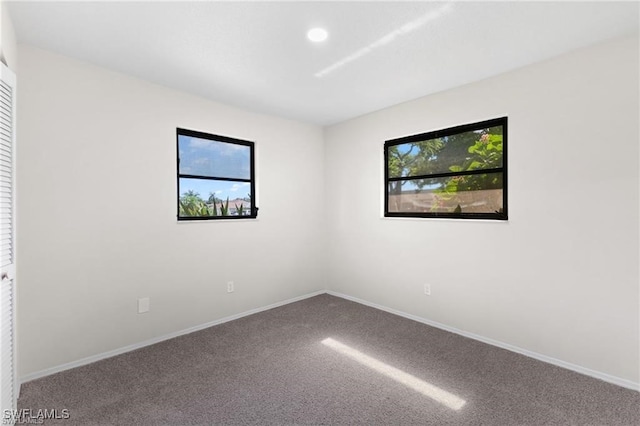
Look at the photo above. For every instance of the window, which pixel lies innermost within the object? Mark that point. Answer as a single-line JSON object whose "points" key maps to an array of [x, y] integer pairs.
{"points": [[216, 178], [460, 172]]}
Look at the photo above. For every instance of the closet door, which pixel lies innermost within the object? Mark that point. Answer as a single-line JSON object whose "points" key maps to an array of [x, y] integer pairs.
{"points": [[7, 239]]}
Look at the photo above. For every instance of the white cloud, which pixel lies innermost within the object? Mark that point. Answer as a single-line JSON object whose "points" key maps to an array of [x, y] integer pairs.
{"points": [[237, 186]]}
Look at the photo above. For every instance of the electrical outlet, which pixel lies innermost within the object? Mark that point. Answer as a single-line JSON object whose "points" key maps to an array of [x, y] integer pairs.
{"points": [[144, 305], [230, 287], [427, 289]]}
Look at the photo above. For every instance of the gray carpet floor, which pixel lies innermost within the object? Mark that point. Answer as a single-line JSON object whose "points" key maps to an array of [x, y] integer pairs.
{"points": [[327, 361]]}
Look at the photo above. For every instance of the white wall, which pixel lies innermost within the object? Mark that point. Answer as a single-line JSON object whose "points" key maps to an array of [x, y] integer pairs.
{"points": [[8, 47], [97, 222], [560, 278], [97, 228]]}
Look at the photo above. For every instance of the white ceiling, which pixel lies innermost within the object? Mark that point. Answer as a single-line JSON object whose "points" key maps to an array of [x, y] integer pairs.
{"points": [[255, 55]]}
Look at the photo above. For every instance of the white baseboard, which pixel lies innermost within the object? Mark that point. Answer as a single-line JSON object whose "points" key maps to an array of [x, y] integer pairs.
{"points": [[133, 347], [569, 366]]}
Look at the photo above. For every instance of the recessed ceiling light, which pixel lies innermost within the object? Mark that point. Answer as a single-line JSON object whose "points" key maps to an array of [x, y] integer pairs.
{"points": [[317, 35]]}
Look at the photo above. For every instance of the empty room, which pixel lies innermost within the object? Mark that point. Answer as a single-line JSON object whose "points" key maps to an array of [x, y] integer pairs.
{"points": [[287, 213]]}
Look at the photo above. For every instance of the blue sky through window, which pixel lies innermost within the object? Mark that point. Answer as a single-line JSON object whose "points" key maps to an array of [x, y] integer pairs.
{"points": [[204, 157]]}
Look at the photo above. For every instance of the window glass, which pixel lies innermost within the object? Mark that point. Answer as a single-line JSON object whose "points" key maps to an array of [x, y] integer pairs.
{"points": [[212, 158], [458, 172], [215, 177]]}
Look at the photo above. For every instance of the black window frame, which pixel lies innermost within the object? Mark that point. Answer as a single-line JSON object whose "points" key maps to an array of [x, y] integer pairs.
{"points": [[498, 215], [223, 139]]}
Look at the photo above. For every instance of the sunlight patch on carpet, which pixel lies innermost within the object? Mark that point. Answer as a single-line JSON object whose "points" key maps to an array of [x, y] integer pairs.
{"points": [[427, 389]]}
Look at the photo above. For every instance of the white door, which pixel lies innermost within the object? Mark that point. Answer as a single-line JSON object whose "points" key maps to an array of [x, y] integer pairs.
{"points": [[7, 239]]}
